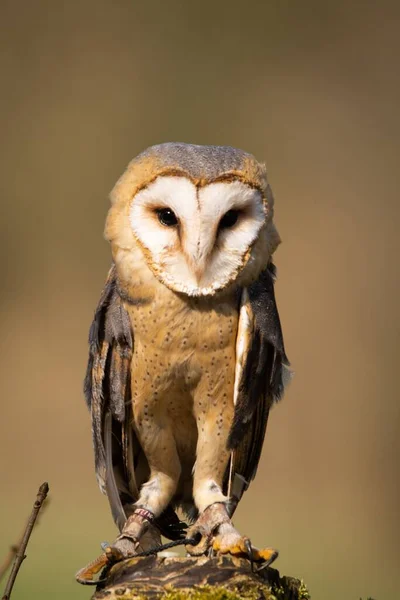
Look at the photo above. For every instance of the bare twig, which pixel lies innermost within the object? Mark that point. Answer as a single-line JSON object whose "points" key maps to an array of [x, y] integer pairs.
{"points": [[7, 562], [20, 552]]}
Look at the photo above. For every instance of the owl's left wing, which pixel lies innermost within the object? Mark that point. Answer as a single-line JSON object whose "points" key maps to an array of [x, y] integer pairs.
{"points": [[108, 395], [262, 369], [107, 392]]}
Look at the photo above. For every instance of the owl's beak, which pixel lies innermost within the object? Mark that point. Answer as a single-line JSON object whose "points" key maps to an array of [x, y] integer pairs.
{"points": [[197, 264], [198, 269], [197, 260], [198, 250]]}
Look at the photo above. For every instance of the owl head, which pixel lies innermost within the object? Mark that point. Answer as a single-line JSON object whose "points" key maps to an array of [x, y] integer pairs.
{"points": [[201, 216]]}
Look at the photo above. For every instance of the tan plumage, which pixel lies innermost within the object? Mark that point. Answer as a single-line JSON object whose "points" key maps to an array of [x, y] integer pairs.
{"points": [[187, 354]]}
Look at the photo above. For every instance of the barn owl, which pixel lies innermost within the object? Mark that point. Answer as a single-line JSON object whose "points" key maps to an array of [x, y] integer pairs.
{"points": [[186, 348]]}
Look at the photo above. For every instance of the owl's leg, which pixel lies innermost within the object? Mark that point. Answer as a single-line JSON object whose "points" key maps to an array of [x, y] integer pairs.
{"points": [[156, 438], [212, 458], [214, 524], [213, 416]]}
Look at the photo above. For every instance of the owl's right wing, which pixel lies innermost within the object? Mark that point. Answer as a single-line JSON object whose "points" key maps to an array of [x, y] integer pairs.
{"points": [[108, 396], [262, 369]]}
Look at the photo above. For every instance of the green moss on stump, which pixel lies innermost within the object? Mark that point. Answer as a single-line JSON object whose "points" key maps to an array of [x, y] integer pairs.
{"points": [[208, 592]]}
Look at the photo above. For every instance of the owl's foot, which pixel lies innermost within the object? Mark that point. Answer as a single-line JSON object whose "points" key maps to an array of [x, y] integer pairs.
{"points": [[218, 535], [207, 523], [229, 541], [94, 572], [138, 535]]}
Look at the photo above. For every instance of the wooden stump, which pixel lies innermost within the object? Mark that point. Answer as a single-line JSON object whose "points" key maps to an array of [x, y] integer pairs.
{"points": [[222, 578]]}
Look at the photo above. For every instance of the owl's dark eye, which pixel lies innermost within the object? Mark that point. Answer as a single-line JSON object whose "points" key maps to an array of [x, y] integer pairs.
{"points": [[229, 219], [167, 217]]}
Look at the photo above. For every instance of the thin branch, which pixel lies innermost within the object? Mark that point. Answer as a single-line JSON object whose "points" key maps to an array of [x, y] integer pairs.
{"points": [[9, 558], [20, 553], [7, 562]]}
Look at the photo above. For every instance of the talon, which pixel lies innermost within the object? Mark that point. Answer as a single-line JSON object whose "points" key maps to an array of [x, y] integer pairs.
{"points": [[266, 557], [249, 549]]}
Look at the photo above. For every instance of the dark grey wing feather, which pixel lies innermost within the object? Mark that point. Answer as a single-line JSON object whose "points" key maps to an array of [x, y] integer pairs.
{"points": [[113, 492], [108, 396], [107, 387], [262, 380]]}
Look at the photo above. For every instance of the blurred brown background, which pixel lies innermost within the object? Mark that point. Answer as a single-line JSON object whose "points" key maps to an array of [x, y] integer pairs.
{"points": [[313, 89]]}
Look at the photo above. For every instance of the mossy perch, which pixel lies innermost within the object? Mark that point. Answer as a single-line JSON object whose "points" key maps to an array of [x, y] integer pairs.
{"points": [[223, 578]]}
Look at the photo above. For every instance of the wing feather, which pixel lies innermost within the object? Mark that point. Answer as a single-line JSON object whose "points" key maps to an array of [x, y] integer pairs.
{"points": [[259, 378], [108, 396]]}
